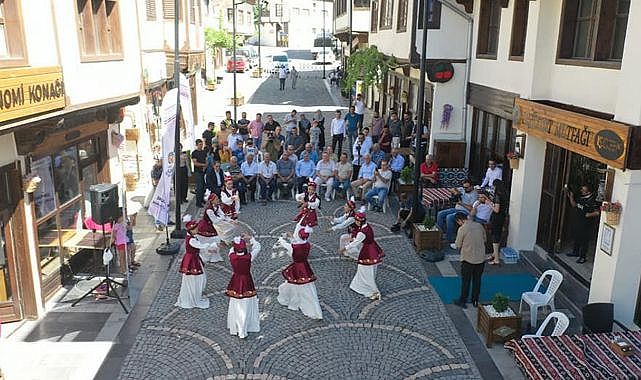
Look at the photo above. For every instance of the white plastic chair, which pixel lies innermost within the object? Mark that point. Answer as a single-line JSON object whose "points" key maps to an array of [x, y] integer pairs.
{"points": [[321, 192], [535, 299], [562, 323], [385, 204]]}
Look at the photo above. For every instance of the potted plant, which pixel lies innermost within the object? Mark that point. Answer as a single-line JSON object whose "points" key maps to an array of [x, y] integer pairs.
{"points": [[513, 157], [407, 176], [500, 302], [496, 320], [426, 234], [211, 84], [612, 212]]}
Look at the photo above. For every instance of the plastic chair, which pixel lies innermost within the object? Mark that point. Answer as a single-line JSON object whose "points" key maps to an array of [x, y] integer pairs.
{"points": [[386, 203], [562, 323], [321, 192], [598, 318], [535, 299]]}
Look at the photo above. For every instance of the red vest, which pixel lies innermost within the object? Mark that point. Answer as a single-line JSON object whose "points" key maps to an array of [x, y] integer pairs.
{"points": [[299, 272], [229, 210], [191, 263], [370, 253], [241, 284]]}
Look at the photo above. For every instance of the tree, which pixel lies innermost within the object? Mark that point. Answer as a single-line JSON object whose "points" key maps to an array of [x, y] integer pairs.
{"points": [[257, 12], [367, 65]]}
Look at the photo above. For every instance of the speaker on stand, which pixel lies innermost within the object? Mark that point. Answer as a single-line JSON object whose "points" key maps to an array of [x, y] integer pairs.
{"points": [[104, 209]]}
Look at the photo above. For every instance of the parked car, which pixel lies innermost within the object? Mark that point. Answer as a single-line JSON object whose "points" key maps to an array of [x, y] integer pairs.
{"points": [[326, 58], [278, 61], [240, 65], [250, 54]]}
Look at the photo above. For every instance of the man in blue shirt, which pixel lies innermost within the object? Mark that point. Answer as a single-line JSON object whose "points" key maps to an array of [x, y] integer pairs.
{"points": [[351, 127], [313, 155], [396, 163], [249, 169], [238, 151], [464, 197], [377, 155], [305, 170], [365, 177]]}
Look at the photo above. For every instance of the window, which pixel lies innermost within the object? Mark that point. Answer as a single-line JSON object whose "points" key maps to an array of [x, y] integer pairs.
{"points": [[593, 30], [387, 10], [401, 22], [374, 16], [241, 17], [279, 10], [150, 8], [99, 30], [519, 28], [230, 15], [296, 11], [12, 46], [361, 3], [433, 16], [491, 137], [305, 12], [192, 11], [168, 10], [65, 175], [340, 7], [489, 25]]}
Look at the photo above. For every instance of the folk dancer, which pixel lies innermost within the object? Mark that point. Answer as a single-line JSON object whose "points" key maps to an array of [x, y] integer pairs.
{"points": [[309, 202], [207, 234], [298, 292], [194, 278], [230, 201], [242, 314], [345, 221], [224, 225], [370, 255]]}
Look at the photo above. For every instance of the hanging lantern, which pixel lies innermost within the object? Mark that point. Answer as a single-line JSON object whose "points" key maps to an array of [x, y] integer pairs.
{"points": [[440, 72]]}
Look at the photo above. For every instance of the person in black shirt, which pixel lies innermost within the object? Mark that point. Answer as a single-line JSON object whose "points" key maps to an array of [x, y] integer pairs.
{"points": [[208, 135], [499, 212], [586, 212], [215, 179], [199, 160], [243, 126]]}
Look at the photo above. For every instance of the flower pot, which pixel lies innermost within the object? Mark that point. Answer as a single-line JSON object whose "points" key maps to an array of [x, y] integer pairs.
{"points": [[514, 163], [612, 218], [426, 239]]}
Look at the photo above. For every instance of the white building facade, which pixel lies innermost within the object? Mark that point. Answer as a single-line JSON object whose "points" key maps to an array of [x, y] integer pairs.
{"points": [[559, 84]]}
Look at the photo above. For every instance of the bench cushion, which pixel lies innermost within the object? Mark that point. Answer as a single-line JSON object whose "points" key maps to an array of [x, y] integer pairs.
{"points": [[451, 177]]}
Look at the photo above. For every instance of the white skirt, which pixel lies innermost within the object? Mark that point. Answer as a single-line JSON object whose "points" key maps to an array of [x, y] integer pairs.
{"points": [[210, 255], [191, 292], [364, 281], [243, 316], [300, 297], [227, 231], [354, 252]]}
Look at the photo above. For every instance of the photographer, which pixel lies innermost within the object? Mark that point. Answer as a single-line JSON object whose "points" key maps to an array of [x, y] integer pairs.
{"points": [[272, 146], [463, 198]]}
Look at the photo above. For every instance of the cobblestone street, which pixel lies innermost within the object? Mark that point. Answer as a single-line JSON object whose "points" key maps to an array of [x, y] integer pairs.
{"points": [[406, 335]]}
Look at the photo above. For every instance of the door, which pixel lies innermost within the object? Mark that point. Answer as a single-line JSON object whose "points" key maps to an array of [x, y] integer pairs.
{"points": [[553, 200]]}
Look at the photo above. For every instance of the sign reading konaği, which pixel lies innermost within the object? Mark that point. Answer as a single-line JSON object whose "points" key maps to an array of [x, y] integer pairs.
{"points": [[25, 92], [602, 140]]}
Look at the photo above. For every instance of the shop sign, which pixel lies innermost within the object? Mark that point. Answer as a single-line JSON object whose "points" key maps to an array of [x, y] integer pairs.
{"points": [[25, 92], [601, 140]]}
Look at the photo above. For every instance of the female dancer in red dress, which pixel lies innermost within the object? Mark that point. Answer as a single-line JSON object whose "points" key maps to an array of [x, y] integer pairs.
{"points": [[242, 314], [298, 291], [194, 278], [345, 221], [309, 202], [230, 202], [207, 233], [370, 255]]}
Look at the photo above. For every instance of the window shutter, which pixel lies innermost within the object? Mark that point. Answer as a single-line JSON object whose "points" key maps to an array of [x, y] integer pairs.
{"points": [[192, 11], [168, 10], [150, 8]]}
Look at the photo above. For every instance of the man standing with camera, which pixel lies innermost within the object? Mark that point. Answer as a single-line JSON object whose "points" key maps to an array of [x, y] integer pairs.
{"points": [[463, 198]]}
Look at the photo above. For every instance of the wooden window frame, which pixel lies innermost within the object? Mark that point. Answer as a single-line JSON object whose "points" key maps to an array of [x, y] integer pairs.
{"points": [[374, 16], [518, 36], [365, 4], [601, 38], [169, 12], [402, 16], [16, 46], [108, 44], [485, 27], [151, 10], [278, 10], [386, 5]]}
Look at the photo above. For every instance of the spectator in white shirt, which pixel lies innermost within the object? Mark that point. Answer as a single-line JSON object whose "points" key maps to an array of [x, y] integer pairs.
{"points": [[267, 178], [359, 105], [233, 137], [493, 172], [481, 209], [249, 168], [325, 172], [365, 177], [282, 76], [359, 150], [338, 132], [382, 179]]}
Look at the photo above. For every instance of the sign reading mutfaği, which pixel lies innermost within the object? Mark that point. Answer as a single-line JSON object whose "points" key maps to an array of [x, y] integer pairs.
{"points": [[602, 140], [25, 92]]}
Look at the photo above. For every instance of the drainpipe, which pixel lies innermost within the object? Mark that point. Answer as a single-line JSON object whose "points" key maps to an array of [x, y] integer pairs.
{"points": [[468, 59]]}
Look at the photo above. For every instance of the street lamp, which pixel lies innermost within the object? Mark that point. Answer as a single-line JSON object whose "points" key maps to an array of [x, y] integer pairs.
{"points": [[421, 109], [324, 54], [260, 22]]}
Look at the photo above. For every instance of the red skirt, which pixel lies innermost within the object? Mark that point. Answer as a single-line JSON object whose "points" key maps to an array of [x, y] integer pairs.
{"points": [[299, 273], [241, 286], [370, 254], [191, 265], [307, 217], [206, 229]]}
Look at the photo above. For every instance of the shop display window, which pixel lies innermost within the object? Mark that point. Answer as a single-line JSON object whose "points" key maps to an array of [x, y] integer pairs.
{"points": [[66, 176], [49, 247]]}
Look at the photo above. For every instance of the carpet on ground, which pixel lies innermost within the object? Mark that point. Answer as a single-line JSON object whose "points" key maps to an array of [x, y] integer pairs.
{"points": [[512, 285]]}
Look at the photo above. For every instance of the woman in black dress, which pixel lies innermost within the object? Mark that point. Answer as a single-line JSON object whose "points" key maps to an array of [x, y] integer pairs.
{"points": [[499, 212], [318, 116]]}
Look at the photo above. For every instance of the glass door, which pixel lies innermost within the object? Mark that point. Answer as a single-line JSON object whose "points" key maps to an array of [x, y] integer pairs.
{"points": [[10, 298]]}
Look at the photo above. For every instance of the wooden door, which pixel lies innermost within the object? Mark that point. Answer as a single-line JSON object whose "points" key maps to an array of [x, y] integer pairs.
{"points": [[553, 200]]}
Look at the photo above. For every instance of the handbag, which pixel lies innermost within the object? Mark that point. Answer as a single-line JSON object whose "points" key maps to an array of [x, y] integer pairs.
{"points": [[107, 256]]}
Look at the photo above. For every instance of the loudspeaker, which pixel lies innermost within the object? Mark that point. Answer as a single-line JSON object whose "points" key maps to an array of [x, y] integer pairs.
{"points": [[104, 202]]}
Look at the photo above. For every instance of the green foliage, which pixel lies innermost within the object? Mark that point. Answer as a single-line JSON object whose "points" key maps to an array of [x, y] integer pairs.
{"points": [[500, 302], [407, 175], [257, 6], [216, 39], [369, 65], [429, 222]]}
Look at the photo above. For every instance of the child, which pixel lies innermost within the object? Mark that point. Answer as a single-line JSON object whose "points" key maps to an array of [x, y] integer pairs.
{"points": [[250, 148], [120, 240], [314, 135]]}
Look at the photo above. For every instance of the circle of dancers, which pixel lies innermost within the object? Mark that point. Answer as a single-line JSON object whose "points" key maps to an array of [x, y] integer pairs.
{"points": [[218, 231]]}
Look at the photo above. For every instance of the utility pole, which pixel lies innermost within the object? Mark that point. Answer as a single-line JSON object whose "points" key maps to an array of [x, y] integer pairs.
{"points": [[324, 53], [177, 233], [260, 22], [421, 111], [234, 57]]}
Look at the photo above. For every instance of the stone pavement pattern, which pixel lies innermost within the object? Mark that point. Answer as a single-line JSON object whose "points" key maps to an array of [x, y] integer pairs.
{"points": [[406, 335]]}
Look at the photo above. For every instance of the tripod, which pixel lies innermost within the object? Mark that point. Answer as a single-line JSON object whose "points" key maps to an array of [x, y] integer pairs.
{"points": [[108, 281]]}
